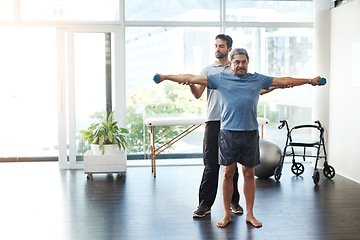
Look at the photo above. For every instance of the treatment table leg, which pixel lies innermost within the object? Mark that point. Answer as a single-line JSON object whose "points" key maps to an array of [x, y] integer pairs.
{"points": [[153, 156]]}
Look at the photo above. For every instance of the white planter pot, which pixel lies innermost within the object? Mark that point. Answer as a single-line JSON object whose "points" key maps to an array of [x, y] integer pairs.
{"points": [[109, 149], [115, 163]]}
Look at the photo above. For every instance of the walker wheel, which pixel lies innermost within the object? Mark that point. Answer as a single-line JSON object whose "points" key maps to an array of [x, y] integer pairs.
{"points": [[297, 169], [89, 176], [277, 173], [316, 176], [329, 172]]}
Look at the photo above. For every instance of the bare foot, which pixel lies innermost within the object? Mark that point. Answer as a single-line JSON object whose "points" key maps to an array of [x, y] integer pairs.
{"points": [[253, 221], [224, 222]]}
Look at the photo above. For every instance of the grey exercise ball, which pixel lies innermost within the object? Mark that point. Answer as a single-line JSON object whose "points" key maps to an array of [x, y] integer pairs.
{"points": [[270, 157]]}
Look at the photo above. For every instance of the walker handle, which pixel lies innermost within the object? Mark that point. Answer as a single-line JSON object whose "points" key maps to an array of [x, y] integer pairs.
{"points": [[318, 123], [282, 124]]}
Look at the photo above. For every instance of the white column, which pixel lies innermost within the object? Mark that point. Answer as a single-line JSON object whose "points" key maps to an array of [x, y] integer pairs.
{"points": [[320, 110]]}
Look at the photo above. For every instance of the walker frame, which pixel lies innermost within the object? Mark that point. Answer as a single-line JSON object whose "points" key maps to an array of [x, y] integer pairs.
{"points": [[298, 168]]}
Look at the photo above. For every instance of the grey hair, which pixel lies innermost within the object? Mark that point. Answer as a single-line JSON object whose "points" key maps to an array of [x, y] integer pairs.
{"points": [[238, 51]]}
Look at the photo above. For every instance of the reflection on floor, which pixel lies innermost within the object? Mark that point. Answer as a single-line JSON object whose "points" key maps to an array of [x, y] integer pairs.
{"points": [[38, 201]]}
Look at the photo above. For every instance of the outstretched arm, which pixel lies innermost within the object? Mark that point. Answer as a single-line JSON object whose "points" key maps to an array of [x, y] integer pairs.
{"points": [[186, 78], [288, 81]]}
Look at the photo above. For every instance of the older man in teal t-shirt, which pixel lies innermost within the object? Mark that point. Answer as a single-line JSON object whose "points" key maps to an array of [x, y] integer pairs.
{"points": [[238, 141]]}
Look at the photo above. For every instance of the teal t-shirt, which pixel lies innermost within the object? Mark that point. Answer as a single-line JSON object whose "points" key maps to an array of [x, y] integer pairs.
{"points": [[239, 98]]}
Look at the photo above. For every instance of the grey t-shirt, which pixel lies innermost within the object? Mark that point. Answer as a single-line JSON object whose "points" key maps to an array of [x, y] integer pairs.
{"points": [[213, 99]]}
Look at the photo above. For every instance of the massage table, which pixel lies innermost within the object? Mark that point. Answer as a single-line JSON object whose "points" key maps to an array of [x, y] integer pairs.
{"points": [[193, 122]]}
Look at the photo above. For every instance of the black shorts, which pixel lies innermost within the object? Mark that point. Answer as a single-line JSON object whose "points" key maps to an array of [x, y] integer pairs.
{"points": [[239, 146]]}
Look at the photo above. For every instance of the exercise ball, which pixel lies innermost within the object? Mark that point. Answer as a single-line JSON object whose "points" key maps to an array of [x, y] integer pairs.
{"points": [[270, 157]]}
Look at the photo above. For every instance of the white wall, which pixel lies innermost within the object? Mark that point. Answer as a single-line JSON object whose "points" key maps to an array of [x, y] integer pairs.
{"points": [[344, 100], [320, 108]]}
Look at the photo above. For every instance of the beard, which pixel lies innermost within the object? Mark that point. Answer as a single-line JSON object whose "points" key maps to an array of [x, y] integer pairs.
{"points": [[220, 55]]}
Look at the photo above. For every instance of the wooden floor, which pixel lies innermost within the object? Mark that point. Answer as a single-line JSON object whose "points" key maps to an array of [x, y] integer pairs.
{"points": [[38, 201]]}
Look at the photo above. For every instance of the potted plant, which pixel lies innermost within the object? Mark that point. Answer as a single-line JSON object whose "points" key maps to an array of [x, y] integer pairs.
{"points": [[108, 144], [105, 135]]}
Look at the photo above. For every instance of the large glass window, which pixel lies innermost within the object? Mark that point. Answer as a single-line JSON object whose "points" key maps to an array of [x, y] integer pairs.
{"points": [[164, 50], [28, 92], [70, 10], [172, 10], [6, 9], [90, 99], [269, 11], [280, 52], [273, 51], [181, 41]]}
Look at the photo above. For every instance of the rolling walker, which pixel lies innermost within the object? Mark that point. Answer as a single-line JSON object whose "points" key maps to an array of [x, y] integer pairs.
{"points": [[298, 168]]}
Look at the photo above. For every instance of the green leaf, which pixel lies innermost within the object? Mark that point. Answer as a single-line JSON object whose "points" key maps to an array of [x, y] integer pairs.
{"points": [[101, 144], [110, 136], [110, 116], [86, 135], [124, 130]]}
